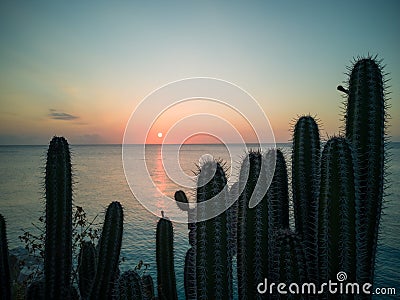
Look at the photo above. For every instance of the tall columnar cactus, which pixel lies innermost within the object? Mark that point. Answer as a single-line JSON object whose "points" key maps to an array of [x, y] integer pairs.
{"points": [[305, 187], [109, 248], [289, 261], [253, 229], [213, 256], [190, 259], [278, 192], [183, 203], [58, 245], [5, 281], [86, 268], [365, 130], [148, 287], [128, 287], [337, 216], [190, 274], [165, 260], [257, 225]]}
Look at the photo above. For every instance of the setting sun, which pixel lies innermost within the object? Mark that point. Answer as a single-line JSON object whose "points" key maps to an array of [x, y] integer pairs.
{"points": [[159, 134]]}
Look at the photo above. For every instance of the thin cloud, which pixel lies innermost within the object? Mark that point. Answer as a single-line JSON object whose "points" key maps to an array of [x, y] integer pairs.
{"points": [[57, 115]]}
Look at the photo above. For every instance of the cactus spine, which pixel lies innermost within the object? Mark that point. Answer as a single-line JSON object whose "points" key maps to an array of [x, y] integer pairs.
{"points": [[365, 130], [58, 246], [190, 275], [165, 260], [5, 281], [129, 287], [213, 256], [109, 248], [86, 268], [305, 187], [337, 231]]}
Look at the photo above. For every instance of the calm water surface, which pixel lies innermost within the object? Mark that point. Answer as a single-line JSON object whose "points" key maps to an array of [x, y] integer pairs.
{"points": [[99, 179]]}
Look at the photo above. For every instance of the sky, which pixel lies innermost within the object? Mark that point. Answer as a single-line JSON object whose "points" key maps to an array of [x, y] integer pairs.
{"points": [[80, 68]]}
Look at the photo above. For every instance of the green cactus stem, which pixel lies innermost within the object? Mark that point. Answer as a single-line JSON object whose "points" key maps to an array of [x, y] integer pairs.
{"points": [[278, 192], [58, 244], [252, 230], [129, 287], [289, 261], [365, 130], [5, 281], [305, 187], [337, 215], [148, 287], [190, 275], [109, 248], [86, 268], [165, 260], [213, 256]]}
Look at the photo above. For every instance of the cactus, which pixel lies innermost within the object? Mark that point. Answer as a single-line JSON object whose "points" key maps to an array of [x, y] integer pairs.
{"points": [[278, 192], [289, 260], [86, 268], [256, 226], [233, 215], [58, 245], [183, 204], [305, 187], [109, 248], [365, 130], [5, 281], [165, 260], [252, 230], [337, 224], [129, 287], [148, 287], [190, 275], [213, 256]]}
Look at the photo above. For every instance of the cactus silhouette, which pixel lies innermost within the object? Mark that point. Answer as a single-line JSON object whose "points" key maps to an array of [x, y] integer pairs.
{"points": [[278, 192], [305, 187], [213, 256], [337, 217], [252, 230], [109, 248], [365, 130], [86, 268], [58, 245], [257, 225], [190, 275], [165, 260], [129, 287], [5, 281], [289, 261], [148, 287]]}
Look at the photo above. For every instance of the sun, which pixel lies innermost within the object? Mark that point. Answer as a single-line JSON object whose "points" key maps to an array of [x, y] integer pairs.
{"points": [[159, 134]]}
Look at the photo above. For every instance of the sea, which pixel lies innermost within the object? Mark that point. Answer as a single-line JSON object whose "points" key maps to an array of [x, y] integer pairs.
{"points": [[99, 178]]}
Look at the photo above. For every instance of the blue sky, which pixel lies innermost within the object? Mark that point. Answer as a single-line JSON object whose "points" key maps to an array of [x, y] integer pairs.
{"points": [[79, 69]]}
